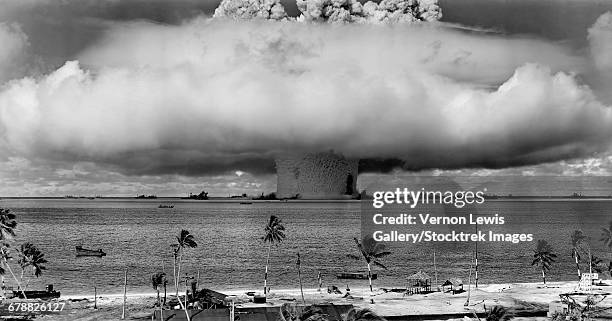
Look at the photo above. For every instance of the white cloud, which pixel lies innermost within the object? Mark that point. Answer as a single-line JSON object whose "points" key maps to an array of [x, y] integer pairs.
{"points": [[13, 45], [213, 93]]}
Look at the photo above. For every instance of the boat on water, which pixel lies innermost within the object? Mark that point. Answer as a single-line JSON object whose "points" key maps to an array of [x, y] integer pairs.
{"points": [[356, 276], [80, 251], [165, 206], [246, 203], [48, 293]]}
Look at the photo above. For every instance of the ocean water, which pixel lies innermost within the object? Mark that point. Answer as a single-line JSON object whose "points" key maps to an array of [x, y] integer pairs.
{"points": [[136, 235]]}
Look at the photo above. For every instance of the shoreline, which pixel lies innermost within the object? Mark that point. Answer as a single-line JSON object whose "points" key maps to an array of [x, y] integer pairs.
{"points": [[529, 300], [488, 287]]}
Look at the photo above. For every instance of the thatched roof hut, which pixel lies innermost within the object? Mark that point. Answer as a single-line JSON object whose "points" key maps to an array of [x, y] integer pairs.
{"points": [[419, 282], [453, 284], [419, 279]]}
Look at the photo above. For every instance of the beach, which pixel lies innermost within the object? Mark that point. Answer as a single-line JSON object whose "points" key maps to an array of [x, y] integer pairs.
{"points": [[519, 298]]}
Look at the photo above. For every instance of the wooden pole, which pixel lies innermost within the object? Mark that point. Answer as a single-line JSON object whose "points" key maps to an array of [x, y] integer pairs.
{"points": [[198, 280], [467, 303], [300, 277], [95, 297], [476, 261], [124, 294], [435, 269]]}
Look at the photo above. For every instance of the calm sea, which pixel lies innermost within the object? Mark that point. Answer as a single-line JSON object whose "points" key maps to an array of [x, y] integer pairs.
{"points": [[136, 235]]}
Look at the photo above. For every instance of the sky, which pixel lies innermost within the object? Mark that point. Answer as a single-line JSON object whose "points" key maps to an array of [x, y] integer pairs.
{"points": [[126, 97]]}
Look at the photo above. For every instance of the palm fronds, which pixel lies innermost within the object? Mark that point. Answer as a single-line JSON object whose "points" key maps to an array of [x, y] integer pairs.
{"points": [[7, 224]]}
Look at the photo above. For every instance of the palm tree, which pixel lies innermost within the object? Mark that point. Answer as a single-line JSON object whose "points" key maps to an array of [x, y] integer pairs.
{"points": [[598, 265], [175, 252], [498, 313], [577, 239], [185, 240], [544, 257], [157, 280], [371, 251], [275, 234], [8, 223], [31, 257]]}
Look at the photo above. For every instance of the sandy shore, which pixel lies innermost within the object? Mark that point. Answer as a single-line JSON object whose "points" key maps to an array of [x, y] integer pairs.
{"points": [[515, 296]]}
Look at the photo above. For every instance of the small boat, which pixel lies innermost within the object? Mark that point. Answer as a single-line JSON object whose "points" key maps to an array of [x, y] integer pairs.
{"points": [[357, 276], [80, 251], [246, 203], [165, 206], [47, 294]]}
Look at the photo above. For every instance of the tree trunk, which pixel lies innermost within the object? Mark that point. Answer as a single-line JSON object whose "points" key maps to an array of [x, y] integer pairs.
{"points": [[8, 267], [300, 279], [543, 276], [161, 308], [370, 277], [165, 293], [577, 266], [178, 270], [266, 274], [21, 278], [174, 275]]}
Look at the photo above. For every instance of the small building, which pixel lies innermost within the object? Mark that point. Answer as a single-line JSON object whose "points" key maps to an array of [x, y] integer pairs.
{"points": [[455, 285], [419, 282]]}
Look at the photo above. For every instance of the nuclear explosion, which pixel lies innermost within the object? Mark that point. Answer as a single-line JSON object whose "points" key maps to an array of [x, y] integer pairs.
{"points": [[316, 176]]}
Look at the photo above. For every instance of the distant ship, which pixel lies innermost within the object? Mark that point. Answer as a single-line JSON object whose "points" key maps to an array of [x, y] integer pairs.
{"points": [[80, 251]]}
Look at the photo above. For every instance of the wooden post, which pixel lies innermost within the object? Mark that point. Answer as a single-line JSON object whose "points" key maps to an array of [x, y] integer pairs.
{"points": [[298, 263], [124, 295], [435, 269], [476, 260], [198, 280], [467, 303], [95, 297]]}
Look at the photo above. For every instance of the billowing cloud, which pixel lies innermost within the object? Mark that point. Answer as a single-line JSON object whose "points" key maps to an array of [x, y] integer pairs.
{"points": [[385, 11], [600, 44], [211, 96], [251, 9], [14, 44], [600, 37]]}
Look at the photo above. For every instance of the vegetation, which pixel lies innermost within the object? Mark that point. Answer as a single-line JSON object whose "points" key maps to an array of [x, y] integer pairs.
{"points": [[146, 196], [606, 238], [314, 313], [158, 280], [543, 257], [274, 234], [30, 257], [577, 239], [8, 223], [371, 251], [184, 240], [498, 313], [366, 314], [271, 196]]}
